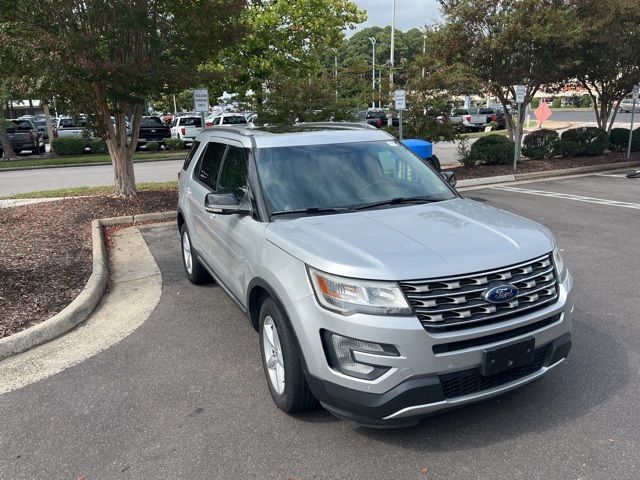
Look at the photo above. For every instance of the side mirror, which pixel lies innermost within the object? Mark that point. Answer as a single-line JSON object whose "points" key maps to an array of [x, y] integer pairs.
{"points": [[225, 204], [450, 177]]}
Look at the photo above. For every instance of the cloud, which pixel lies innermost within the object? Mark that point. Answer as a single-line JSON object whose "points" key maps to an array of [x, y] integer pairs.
{"points": [[409, 13]]}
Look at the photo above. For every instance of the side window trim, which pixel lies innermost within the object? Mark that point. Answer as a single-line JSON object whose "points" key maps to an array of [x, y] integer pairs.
{"points": [[224, 161]]}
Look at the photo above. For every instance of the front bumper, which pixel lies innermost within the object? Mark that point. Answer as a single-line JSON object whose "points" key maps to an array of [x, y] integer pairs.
{"points": [[432, 371]]}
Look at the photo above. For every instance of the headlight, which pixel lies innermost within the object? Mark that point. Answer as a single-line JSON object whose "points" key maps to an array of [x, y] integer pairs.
{"points": [[348, 295], [559, 263]]}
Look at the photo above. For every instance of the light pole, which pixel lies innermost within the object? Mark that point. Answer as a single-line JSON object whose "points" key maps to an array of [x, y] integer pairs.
{"points": [[373, 67], [393, 43]]}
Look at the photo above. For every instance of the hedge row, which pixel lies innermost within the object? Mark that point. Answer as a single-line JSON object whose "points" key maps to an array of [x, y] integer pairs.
{"points": [[78, 145], [575, 142]]}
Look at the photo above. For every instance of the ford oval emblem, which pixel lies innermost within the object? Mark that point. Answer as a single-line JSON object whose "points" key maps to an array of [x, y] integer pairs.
{"points": [[500, 294]]}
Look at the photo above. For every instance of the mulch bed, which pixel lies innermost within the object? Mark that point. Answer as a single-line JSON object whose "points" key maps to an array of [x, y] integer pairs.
{"points": [[46, 252], [529, 166]]}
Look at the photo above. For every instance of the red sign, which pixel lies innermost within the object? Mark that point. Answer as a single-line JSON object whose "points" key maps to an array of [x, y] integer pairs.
{"points": [[542, 113]]}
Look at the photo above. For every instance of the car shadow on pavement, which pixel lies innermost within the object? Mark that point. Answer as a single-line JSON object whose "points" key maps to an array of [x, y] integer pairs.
{"points": [[596, 369]]}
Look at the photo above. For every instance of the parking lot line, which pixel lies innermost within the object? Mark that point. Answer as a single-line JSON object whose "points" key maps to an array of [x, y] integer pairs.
{"points": [[621, 175], [567, 196]]}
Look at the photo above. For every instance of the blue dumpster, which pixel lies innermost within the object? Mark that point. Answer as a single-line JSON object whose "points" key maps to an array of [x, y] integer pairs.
{"points": [[424, 150]]}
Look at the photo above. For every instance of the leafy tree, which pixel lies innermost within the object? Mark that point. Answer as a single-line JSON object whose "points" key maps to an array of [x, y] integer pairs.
{"points": [[309, 99], [106, 57], [285, 38], [503, 43], [606, 53], [8, 55]]}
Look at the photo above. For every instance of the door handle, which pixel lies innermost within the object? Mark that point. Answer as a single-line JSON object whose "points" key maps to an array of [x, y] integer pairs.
{"points": [[187, 191]]}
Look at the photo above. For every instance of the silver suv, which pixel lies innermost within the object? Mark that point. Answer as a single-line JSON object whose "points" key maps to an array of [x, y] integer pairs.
{"points": [[377, 290]]}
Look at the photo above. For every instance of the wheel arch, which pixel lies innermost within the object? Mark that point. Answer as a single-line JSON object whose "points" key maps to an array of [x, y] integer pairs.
{"points": [[258, 290]]}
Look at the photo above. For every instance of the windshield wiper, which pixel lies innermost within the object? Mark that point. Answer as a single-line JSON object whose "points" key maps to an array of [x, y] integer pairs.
{"points": [[396, 201], [312, 210]]}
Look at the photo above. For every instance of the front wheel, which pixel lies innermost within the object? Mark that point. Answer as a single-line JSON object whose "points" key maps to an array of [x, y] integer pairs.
{"points": [[194, 270], [281, 361]]}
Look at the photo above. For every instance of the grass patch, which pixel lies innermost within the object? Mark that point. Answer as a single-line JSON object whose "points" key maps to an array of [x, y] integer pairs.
{"points": [[102, 190], [88, 158]]}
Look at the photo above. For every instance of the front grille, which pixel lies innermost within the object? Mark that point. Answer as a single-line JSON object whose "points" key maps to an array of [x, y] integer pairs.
{"points": [[450, 303], [470, 381]]}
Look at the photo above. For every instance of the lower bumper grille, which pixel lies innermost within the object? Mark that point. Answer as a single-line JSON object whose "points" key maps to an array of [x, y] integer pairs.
{"points": [[470, 381]]}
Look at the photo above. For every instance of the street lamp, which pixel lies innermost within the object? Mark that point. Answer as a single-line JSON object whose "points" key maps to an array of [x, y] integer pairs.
{"points": [[373, 67], [393, 43]]}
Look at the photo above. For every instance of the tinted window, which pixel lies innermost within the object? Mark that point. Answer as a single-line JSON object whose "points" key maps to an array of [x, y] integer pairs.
{"points": [[235, 120], [233, 177], [190, 155], [190, 122], [216, 121], [71, 123], [461, 111], [210, 164], [20, 125], [151, 122], [486, 111]]}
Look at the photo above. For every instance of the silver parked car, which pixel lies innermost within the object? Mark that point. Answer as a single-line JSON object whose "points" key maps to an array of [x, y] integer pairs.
{"points": [[376, 289], [627, 105]]}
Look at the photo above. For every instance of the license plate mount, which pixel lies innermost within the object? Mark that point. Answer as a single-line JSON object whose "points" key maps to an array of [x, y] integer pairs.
{"points": [[500, 359]]}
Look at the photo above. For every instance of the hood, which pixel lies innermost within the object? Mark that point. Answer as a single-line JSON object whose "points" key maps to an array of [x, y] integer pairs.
{"points": [[446, 238]]}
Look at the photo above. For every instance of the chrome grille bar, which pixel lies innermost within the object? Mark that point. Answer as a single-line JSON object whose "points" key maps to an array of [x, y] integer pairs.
{"points": [[456, 301]]}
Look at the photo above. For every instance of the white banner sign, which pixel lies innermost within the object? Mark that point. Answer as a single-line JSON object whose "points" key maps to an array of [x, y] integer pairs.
{"points": [[520, 92], [201, 100], [401, 100]]}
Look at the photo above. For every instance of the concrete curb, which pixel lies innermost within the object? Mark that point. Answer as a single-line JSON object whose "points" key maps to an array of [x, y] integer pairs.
{"points": [[86, 301], [473, 182], [88, 164]]}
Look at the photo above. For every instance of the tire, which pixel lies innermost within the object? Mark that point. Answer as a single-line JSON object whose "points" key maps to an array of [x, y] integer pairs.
{"points": [[193, 269], [285, 378], [42, 149]]}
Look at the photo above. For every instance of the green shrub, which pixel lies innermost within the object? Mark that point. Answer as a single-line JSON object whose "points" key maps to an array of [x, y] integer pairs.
{"points": [[174, 144], [635, 140], [68, 145], [568, 148], [585, 101], [98, 145], [557, 102], [152, 146], [540, 144], [618, 139], [535, 103], [589, 141], [492, 149]]}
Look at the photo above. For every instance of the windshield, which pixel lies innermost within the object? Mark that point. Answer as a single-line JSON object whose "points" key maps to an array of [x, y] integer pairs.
{"points": [[234, 120], [71, 123], [344, 175]]}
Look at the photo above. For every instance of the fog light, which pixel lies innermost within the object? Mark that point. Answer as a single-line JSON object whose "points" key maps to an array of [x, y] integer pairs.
{"points": [[341, 356]]}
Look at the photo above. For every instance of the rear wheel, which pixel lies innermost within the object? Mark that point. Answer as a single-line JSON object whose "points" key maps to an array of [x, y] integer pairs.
{"points": [[281, 361], [194, 270]]}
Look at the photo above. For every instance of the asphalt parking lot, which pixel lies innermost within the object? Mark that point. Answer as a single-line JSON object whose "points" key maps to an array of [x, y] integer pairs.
{"points": [[184, 396]]}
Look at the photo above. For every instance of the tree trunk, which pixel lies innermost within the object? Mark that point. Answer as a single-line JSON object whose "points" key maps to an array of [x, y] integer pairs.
{"points": [[47, 119], [7, 150], [120, 149]]}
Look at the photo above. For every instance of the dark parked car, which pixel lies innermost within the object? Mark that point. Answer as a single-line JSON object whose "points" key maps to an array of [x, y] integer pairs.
{"points": [[24, 135], [152, 129], [378, 118], [495, 115]]}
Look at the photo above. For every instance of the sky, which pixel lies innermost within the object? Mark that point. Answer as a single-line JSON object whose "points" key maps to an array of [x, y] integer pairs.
{"points": [[409, 13]]}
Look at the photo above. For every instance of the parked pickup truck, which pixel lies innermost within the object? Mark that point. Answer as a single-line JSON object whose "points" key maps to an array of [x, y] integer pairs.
{"points": [[186, 128], [152, 129], [71, 127], [24, 135]]}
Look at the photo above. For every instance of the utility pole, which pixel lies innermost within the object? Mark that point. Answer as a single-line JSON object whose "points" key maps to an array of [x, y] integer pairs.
{"points": [[373, 67]]}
